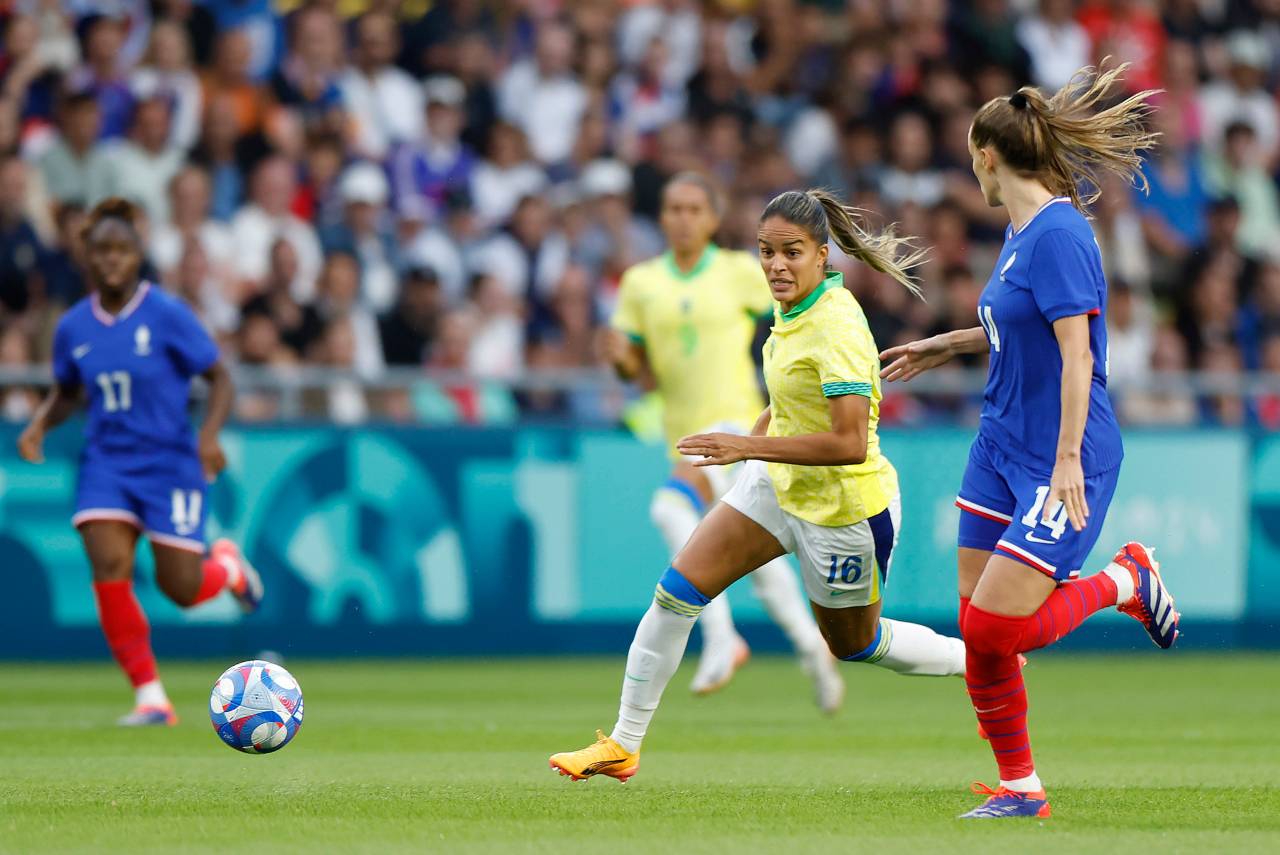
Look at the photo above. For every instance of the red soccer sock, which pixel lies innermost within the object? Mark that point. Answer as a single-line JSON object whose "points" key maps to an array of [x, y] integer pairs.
{"points": [[126, 628], [1000, 701], [1064, 610], [214, 580], [964, 609]]}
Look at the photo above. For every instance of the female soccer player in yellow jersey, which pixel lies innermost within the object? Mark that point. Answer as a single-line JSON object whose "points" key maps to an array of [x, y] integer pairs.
{"points": [[684, 322], [815, 482]]}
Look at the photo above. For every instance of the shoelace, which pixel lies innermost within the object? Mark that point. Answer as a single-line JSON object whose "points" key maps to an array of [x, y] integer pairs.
{"points": [[981, 789]]}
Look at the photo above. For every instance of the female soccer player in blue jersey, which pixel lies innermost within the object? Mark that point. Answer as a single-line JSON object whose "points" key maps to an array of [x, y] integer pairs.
{"points": [[134, 349], [815, 483], [1044, 465]]}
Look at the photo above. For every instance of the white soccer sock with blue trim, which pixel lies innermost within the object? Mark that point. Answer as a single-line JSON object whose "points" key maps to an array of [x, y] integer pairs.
{"points": [[913, 650], [655, 655]]}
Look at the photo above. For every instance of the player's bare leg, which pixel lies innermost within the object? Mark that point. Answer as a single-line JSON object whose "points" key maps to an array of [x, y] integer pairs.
{"points": [[677, 508], [724, 548], [189, 577], [110, 545]]}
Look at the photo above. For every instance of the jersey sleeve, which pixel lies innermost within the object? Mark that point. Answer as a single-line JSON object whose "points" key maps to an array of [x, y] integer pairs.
{"points": [[753, 287], [628, 316], [65, 370], [192, 348], [847, 362], [1063, 276]]}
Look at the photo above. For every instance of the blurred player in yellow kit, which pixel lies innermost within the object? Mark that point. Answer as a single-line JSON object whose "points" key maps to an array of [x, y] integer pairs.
{"points": [[684, 325]]}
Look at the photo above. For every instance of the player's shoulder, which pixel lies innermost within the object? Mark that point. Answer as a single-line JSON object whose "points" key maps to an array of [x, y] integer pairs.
{"points": [[643, 274], [1061, 220], [78, 316], [160, 303]]}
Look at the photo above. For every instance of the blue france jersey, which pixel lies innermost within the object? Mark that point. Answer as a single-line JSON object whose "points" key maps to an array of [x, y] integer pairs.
{"points": [[136, 368], [1049, 269]]}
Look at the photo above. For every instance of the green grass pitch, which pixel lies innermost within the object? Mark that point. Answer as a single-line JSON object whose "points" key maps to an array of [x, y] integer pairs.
{"points": [[1159, 753]]}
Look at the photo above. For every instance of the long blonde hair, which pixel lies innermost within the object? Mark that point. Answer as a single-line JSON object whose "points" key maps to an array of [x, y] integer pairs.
{"points": [[1062, 141], [821, 214]]}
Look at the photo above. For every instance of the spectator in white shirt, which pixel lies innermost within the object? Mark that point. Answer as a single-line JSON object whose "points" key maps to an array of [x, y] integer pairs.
{"points": [[505, 176], [1242, 98], [189, 195], [266, 218], [542, 96], [168, 74], [141, 168], [384, 101], [1057, 45], [911, 177]]}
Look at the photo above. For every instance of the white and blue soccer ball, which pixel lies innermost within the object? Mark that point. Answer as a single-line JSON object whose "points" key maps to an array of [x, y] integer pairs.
{"points": [[256, 707]]}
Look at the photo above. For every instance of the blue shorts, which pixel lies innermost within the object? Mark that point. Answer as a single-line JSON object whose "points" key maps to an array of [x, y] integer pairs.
{"points": [[1005, 502], [161, 496]]}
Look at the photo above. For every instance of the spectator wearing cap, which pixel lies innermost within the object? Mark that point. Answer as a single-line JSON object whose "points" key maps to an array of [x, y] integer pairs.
{"points": [[422, 173], [365, 233], [505, 176], [384, 102], [1242, 98], [142, 166], [541, 96], [1238, 170], [266, 218], [616, 238], [167, 73], [75, 164], [408, 330]]}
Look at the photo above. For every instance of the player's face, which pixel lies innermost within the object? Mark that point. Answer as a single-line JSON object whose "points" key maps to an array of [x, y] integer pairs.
{"points": [[984, 171], [113, 256], [687, 219], [792, 260]]}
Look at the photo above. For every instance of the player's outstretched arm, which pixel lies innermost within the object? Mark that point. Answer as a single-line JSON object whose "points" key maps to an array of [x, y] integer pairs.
{"points": [[56, 408], [907, 360], [844, 444], [222, 393]]}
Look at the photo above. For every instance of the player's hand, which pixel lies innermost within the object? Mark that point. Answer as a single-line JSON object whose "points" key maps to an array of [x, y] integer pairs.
{"points": [[907, 360], [211, 456], [1066, 489], [714, 449], [31, 444]]}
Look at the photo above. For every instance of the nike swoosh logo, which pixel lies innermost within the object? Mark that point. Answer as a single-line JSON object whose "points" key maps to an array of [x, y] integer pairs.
{"points": [[1033, 539], [993, 709], [601, 765], [840, 593], [81, 351], [1007, 265]]}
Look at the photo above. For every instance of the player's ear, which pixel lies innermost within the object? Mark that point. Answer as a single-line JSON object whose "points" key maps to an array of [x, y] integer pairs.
{"points": [[823, 252]]}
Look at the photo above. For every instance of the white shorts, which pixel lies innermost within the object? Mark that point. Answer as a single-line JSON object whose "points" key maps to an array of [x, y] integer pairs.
{"points": [[842, 566], [721, 478]]}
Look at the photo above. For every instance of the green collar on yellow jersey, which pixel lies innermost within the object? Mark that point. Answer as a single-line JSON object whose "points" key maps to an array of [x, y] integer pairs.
{"points": [[833, 279], [704, 262]]}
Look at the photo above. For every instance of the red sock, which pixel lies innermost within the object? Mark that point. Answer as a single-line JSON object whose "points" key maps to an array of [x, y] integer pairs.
{"points": [[1066, 608], [126, 628], [964, 608], [1000, 700], [215, 579]]}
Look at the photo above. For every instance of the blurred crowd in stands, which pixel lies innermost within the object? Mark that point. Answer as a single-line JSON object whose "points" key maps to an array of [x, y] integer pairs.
{"points": [[459, 184]]}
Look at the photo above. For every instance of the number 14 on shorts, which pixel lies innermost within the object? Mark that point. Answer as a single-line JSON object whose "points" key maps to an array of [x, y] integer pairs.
{"points": [[1057, 524]]}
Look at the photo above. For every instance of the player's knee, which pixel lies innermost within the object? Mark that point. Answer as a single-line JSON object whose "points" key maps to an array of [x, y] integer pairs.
{"points": [[678, 595], [856, 643], [988, 634], [112, 567]]}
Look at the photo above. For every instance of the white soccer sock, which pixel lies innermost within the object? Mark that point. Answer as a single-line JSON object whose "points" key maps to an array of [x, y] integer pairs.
{"points": [[1123, 579], [779, 590], [915, 650], [151, 695], [1029, 784], [654, 656]]}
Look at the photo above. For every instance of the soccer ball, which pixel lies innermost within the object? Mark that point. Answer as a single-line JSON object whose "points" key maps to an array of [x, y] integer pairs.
{"points": [[256, 707]]}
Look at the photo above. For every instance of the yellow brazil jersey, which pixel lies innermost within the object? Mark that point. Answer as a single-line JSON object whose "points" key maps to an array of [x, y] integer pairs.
{"points": [[697, 329], [821, 349]]}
